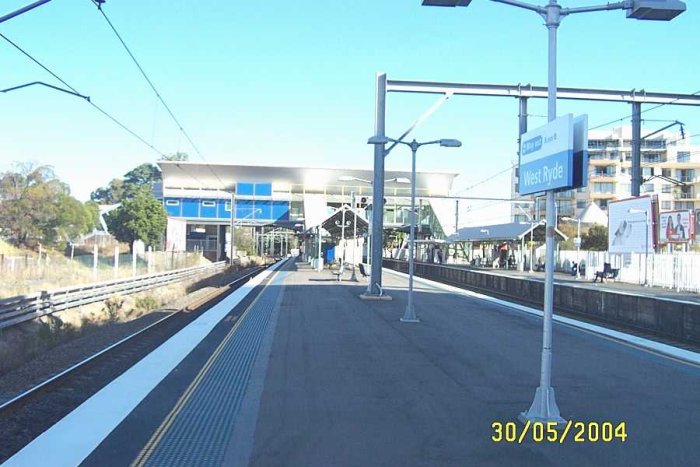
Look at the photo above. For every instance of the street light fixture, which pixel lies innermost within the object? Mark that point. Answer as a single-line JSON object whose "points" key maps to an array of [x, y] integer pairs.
{"points": [[577, 242], [646, 241], [410, 314], [544, 406]]}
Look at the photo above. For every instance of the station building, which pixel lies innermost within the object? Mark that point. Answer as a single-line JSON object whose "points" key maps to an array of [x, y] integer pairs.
{"points": [[274, 202]]}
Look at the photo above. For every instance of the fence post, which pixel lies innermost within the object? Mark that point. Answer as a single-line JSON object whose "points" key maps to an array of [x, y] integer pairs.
{"points": [[38, 263], [133, 259], [94, 260], [72, 250], [116, 261], [150, 259]]}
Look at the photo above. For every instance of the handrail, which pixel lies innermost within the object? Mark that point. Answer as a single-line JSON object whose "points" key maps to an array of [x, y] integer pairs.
{"points": [[15, 310]]}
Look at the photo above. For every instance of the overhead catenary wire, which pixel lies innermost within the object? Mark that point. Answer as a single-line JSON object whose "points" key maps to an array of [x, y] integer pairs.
{"points": [[626, 117], [90, 101], [180, 127]]}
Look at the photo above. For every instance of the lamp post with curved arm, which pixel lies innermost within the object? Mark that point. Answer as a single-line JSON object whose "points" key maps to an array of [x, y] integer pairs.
{"points": [[410, 314]]}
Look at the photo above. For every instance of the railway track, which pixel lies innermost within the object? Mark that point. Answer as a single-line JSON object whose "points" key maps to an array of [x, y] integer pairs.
{"points": [[30, 413]]}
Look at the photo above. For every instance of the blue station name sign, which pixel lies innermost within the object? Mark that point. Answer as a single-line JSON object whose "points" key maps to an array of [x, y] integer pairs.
{"points": [[550, 159]]}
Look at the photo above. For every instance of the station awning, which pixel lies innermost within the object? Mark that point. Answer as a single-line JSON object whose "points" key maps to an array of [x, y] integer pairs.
{"points": [[333, 223], [501, 233]]}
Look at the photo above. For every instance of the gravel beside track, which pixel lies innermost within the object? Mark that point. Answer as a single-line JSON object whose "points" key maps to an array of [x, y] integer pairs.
{"points": [[20, 423]]}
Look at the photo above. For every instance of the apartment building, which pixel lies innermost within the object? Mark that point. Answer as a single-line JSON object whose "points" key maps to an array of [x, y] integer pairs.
{"points": [[670, 169]]}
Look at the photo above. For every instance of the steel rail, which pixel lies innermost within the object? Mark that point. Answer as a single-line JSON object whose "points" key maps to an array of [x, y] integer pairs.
{"points": [[15, 310], [22, 397]]}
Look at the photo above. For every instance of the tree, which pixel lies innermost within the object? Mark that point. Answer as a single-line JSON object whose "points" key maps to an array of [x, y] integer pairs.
{"points": [[120, 189], [568, 229], [595, 239], [111, 194], [37, 206], [143, 175], [140, 218]]}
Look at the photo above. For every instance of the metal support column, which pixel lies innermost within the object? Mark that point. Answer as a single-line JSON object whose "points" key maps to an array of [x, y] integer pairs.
{"points": [[636, 148], [375, 282]]}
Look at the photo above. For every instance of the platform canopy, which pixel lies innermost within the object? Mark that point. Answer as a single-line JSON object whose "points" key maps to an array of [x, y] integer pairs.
{"points": [[181, 175], [501, 233], [333, 223]]}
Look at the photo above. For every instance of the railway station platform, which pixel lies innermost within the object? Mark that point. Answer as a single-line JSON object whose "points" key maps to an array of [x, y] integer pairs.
{"points": [[305, 373]]}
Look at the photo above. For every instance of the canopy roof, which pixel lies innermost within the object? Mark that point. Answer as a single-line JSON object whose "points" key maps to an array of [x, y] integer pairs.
{"points": [[500, 232], [333, 223], [224, 177], [594, 215]]}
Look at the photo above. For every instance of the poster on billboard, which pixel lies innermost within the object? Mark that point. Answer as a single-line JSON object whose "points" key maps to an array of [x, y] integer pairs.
{"points": [[176, 235], [675, 227], [628, 229], [696, 218]]}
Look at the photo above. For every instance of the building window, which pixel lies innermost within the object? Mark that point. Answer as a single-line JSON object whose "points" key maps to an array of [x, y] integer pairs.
{"points": [[683, 156], [666, 205], [227, 206], [602, 203], [647, 171], [581, 204], [208, 204], [647, 188], [651, 157], [666, 172], [625, 188], [172, 202], [666, 188], [603, 187]]}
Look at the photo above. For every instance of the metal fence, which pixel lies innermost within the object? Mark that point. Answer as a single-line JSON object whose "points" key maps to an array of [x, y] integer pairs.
{"points": [[679, 271], [22, 308]]}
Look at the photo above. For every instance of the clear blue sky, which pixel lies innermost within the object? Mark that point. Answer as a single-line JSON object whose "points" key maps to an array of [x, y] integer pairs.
{"points": [[292, 82]]}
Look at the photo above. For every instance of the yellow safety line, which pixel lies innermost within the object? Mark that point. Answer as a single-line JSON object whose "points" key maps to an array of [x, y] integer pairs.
{"points": [[150, 446]]}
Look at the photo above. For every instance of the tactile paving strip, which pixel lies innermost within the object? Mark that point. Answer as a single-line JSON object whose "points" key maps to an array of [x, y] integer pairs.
{"points": [[200, 431]]}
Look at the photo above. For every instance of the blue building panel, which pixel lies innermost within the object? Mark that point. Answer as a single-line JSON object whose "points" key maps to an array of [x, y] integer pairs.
{"points": [[190, 207], [280, 210], [173, 207], [223, 213], [263, 189], [207, 209], [265, 208], [245, 189], [244, 209]]}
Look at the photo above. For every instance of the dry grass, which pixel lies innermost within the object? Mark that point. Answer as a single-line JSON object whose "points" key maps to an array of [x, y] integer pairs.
{"points": [[23, 272], [23, 342]]}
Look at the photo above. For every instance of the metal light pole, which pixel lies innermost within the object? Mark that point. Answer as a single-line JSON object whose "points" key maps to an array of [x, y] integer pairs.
{"points": [[544, 407], [348, 178], [354, 236], [578, 243], [410, 314], [233, 210], [319, 260]]}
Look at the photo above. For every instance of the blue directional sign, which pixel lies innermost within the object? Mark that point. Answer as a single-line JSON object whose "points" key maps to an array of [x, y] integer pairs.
{"points": [[546, 157]]}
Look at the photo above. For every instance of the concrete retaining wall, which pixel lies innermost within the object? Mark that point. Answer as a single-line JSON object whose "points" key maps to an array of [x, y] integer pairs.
{"points": [[665, 318]]}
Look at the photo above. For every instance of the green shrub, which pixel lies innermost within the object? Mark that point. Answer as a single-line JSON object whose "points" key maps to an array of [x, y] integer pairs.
{"points": [[146, 303], [112, 307]]}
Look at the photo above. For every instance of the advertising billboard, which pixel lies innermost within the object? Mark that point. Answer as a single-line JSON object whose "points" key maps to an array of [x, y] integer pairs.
{"points": [[675, 227], [628, 229], [176, 235]]}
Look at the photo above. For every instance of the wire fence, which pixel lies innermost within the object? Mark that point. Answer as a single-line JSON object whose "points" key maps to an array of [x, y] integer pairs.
{"points": [[24, 273]]}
